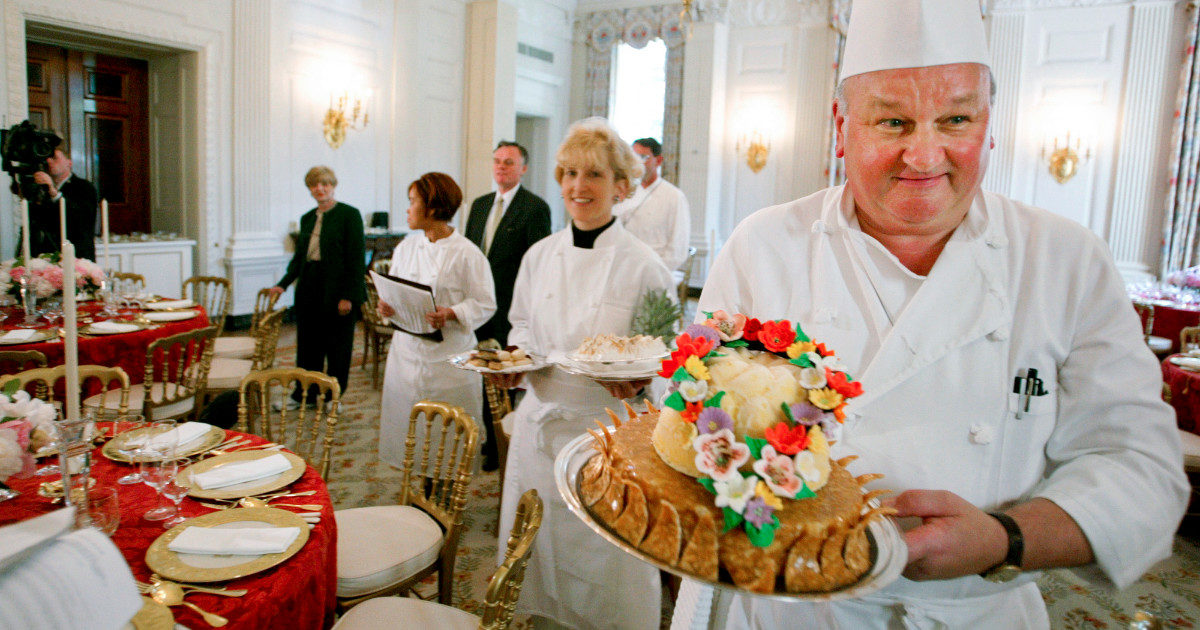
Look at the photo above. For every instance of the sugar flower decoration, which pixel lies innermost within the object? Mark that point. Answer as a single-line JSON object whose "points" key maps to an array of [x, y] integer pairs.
{"points": [[824, 398], [693, 391], [696, 331], [779, 473], [719, 455], [734, 492], [812, 378], [805, 465], [807, 415], [830, 361], [758, 513], [696, 368], [785, 439], [763, 492], [713, 419], [777, 336], [728, 327], [800, 347], [842, 385]]}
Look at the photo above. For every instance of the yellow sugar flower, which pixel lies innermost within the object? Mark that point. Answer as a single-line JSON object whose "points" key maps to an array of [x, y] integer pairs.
{"points": [[817, 442], [768, 497], [696, 368], [800, 347], [824, 398]]}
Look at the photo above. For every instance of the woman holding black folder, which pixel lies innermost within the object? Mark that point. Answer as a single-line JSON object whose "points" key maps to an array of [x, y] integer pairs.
{"points": [[464, 298]]}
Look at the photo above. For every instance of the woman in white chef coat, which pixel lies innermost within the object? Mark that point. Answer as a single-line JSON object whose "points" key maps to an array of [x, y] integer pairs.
{"points": [[581, 281], [417, 367]]}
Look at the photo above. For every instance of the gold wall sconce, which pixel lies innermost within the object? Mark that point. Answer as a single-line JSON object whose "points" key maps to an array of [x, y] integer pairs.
{"points": [[1064, 157], [345, 112], [756, 149]]}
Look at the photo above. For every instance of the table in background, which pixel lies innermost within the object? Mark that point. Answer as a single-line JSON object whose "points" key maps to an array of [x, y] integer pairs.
{"points": [[300, 593], [1185, 394], [125, 350], [1170, 319]]}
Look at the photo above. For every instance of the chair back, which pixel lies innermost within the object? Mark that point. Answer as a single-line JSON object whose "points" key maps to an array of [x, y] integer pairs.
{"points": [[266, 339], [1189, 338], [370, 315], [682, 288], [381, 265], [177, 370], [264, 303], [1146, 314], [504, 587], [13, 361], [499, 402], [435, 479], [308, 431], [45, 381], [215, 294], [127, 276]]}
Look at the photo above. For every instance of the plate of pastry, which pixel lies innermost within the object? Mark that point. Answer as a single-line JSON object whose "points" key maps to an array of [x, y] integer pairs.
{"points": [[511, 360]]}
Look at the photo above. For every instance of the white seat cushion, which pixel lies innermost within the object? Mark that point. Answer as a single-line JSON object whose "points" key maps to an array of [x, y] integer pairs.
{"points": [[1158, 344], [137, 393], [383, 545], [241, 347], [1191, 450], [228, 373], [405, 612]]}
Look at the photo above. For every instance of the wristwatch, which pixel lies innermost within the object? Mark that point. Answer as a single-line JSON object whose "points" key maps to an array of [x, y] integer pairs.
{"points": [[1010, 567]]}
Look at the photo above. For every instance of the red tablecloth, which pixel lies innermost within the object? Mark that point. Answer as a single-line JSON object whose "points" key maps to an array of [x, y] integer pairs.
{"points": [[1170, 320], [126, 350], [300, 593], [1185, 395]]}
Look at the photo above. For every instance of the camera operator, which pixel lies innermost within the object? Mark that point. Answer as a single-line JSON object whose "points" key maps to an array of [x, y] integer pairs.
{"points": [[81, 208]]}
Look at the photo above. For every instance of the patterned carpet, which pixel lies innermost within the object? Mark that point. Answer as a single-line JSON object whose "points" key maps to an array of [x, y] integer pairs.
{"points": [[1170, 591]]}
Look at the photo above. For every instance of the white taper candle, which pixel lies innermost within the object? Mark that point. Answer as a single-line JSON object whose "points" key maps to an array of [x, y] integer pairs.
{"points": [[62, 218], [104, 232], [25, 230], [71, 339]]}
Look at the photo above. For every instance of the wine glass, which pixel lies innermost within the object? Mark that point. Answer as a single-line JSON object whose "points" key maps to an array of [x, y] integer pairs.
{"points": [[119, 424], [104, 509], [175, 492], [156, 457], [158, 474]]}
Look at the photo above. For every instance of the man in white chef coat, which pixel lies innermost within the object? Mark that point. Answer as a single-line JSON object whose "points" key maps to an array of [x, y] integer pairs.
{"points": [[657, 211], [1008, 396]]}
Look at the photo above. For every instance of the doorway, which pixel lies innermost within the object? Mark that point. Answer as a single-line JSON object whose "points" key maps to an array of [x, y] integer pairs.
{"points": [[533, 133]]}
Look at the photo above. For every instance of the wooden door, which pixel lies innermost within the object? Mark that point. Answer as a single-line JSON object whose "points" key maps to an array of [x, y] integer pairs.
{"points": [[99, 105]]}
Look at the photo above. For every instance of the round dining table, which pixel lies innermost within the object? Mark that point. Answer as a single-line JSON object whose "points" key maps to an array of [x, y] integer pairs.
{"points": [[1185, 394], [299, 593], [1171, 317], [124, 350]]}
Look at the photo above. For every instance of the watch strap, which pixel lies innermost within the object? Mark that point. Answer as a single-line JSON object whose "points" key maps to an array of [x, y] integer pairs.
{"points": [[1016, 540]]}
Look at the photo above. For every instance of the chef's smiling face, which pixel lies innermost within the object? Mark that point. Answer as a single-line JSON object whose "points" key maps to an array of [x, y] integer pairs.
{"points": [[589, 191], [915, 143]]}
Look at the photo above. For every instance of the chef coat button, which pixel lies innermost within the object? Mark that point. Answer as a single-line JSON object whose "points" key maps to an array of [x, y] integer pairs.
{"points": [[993, 243], [998, 335], [981, 434], [818, 227]]}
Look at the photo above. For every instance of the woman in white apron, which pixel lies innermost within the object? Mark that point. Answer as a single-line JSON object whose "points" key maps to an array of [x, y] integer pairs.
{"points": [[417, 367], [578, 282]]}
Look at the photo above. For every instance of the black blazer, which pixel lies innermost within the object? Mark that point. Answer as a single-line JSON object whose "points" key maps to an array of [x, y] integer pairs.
{"points": [[525, 222], [81, 221], [342, 256]]}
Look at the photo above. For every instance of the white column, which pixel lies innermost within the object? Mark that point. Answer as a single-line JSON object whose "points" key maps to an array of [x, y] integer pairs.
{"points": [[1138, 191], [490, 114], [1007, 34]]}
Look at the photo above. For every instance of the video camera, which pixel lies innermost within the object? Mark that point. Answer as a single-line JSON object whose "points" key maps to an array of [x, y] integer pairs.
{"points": [[24, 150]]}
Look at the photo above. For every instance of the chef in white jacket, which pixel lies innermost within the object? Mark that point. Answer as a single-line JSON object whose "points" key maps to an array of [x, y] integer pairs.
{"points": [[581, 281], [941, 298], [657, 211], [417, 367]]}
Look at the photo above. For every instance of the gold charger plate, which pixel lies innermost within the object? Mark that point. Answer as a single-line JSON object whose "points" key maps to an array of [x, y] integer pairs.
{"points": [[246, 488], [90, 329], [113, 448], [152, 616], [38, 336], [185, 567]]}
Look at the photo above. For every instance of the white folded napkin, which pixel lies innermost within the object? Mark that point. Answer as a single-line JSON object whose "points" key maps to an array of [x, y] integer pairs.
{"points": [[1187, 363], [112, 327], [169, 316], [166, 304], [230, 474], [18, 335], [245, 541], [177, 437]]}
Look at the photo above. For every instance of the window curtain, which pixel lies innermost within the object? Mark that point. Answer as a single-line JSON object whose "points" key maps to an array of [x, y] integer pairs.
{"points": [[1180, 232], [602, 30]]}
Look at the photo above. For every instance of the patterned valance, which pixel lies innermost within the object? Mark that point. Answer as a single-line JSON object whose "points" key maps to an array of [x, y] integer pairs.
{"points": [[604, 29]]}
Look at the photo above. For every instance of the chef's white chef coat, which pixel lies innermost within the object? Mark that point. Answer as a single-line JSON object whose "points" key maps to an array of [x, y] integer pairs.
{"points": [[1015, 288], [562, 295], [658, 215], [418, 368]]}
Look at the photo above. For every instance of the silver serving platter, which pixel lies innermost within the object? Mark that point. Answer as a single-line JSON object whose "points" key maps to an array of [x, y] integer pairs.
{"points": [[889, 554]]}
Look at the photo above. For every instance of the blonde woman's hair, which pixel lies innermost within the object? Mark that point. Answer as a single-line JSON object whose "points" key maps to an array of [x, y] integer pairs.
{"points": [[591, 142], [320, 175]]}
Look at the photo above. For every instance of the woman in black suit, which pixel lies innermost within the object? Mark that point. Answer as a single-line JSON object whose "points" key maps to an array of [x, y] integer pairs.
{"points": [[330, 272]]}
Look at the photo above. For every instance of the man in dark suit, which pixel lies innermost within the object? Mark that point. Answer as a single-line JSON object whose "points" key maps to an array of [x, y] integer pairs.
{"points": [[80, 198], [504, 224]]}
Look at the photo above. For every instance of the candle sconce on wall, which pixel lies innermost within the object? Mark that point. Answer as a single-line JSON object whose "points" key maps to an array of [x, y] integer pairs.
{"points": [[1064, 156], [756, 148], [348, 111]]}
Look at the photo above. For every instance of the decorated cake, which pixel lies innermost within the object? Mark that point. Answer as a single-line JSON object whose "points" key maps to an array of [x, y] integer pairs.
{"points": [[733, 475]]}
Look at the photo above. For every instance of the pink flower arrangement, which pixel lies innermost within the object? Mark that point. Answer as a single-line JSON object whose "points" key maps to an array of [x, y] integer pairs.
{"points": [[46, 276], [26, 425]]}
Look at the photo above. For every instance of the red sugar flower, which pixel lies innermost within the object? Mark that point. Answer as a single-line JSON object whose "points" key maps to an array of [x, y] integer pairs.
{"points": [[750, 332], [699, 346], [692, 411], [777, 336], [841, 384], [669, 365], [787, 440]]}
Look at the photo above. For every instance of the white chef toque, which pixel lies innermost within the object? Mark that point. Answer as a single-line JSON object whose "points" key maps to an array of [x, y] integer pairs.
{"points": [[888, 34]]}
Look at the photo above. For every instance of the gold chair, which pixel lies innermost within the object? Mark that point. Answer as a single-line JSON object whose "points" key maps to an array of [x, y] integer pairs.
{"points": [[175, 376], [388, 549], [500, 405], [226, 373], [215, 294], [1159, 345], [306, 430], [1191, 465], [129, 276], [682, 287], [498, 603], [46, 379], [1189, 338], [13, 361], [376, 333], [243, 346]]}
